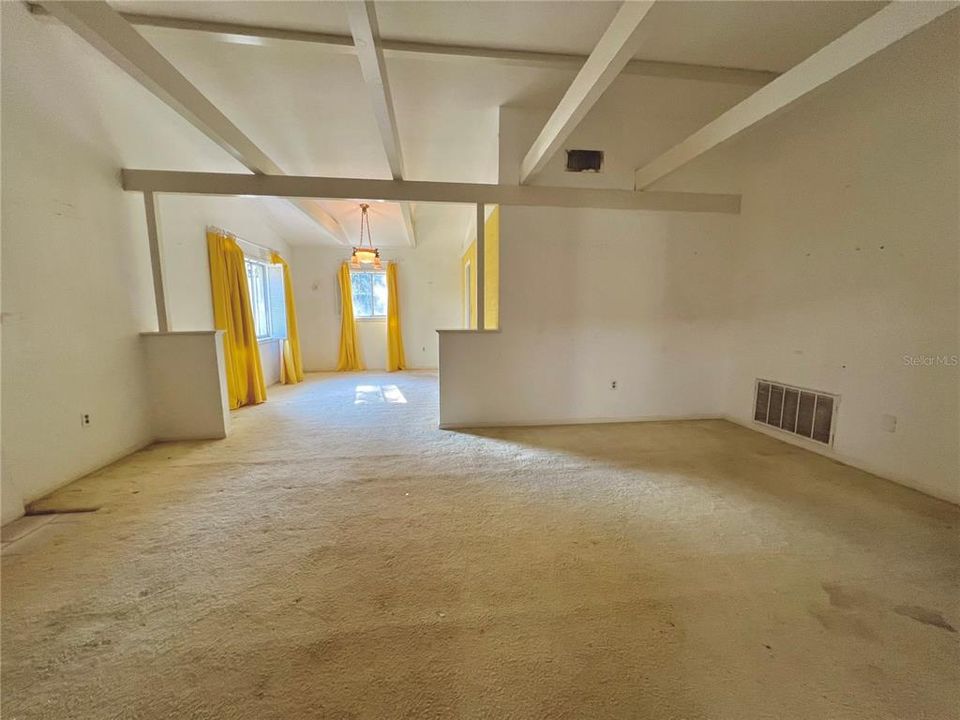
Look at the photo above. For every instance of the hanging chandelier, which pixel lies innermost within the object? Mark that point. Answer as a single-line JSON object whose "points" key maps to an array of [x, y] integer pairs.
{"points": [[368, 255]]}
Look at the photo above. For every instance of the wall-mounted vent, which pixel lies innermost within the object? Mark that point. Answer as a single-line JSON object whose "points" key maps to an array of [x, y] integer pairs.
{"points": [[808, 413], [584, 160]]}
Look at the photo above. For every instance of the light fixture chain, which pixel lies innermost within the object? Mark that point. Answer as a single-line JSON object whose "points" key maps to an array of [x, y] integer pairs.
{"points": [[365, 220]]}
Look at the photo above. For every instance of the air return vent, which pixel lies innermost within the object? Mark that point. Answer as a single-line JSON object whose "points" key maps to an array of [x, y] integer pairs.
{"points": [[584, 160], [808, 413]]}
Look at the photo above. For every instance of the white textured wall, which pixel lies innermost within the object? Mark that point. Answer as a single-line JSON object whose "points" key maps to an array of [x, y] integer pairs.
{"points": [[77, 290], [847, 257], [183, 223], [589, 297], [429, 278], [76, 282], [188, 388], [842, 267]]}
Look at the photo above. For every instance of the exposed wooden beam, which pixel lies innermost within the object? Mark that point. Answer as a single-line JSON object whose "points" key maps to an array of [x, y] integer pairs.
{"points": [[107, 31], [616, 46], [399, 48], [362, 15], [890, 24], [287, 186]]}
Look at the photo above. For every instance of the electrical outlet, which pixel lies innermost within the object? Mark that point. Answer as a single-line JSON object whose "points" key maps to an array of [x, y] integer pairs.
{"points": [[888, 423], [84, 419], [613, 384]]}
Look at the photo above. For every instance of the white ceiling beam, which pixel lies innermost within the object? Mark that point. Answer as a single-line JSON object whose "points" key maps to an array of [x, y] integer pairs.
{"points": [[102, 27], [573, 62], [431, 51], [366, 38], [293, 186], [362, 16], [616, 46], [890, 24], [406, 211]]}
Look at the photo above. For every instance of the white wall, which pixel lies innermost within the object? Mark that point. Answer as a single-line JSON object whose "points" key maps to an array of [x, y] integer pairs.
{"points": [[847, 257], [188, 386], [631, 120], [429, 277], [76, 283], [588, 297], [183, 222], [77, 288], [843, 263]]}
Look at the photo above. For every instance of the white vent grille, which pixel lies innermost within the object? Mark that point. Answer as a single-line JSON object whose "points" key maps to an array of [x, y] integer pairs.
{"points": [[800, 411]]}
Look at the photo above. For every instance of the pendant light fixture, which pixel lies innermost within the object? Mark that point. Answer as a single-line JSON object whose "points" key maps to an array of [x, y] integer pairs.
{"points": [[368, 255]]}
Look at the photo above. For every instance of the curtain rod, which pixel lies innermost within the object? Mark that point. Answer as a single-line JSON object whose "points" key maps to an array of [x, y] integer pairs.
{"points": [[237, 237]]}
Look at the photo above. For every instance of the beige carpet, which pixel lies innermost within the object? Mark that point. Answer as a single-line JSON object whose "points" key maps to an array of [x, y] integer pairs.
{"points": [[340, 557]]}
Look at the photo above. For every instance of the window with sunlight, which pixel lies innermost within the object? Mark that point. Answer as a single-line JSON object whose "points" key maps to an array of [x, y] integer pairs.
{"points": [[267, 300], [369, 294]]}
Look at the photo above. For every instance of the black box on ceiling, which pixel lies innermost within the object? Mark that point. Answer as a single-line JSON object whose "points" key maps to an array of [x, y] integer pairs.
{"points": [[584, 160]]}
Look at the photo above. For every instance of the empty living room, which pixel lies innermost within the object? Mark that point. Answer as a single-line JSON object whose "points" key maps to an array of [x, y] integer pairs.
{"points": [[521, 359]]}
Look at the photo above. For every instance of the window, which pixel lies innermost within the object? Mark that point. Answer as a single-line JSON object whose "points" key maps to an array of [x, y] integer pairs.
{"points": [[267, 299], [369, 294]]}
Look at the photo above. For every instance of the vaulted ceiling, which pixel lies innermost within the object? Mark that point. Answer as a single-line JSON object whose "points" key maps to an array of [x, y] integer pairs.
{"points": [[747, 34], [305, 104]]}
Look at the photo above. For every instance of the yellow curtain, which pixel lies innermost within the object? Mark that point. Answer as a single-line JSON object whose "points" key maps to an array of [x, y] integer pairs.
{"points": [[349, 358], [232, 314], [395, 357], [291, 369]]}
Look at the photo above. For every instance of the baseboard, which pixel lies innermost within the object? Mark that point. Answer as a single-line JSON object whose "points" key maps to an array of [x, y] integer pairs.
{"points": [[186, 438], [576, 421], [829, 452]]}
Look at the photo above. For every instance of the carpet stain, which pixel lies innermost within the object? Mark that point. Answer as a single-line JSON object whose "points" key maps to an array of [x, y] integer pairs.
{"points": [[925, 616], [843, 597], [616, 572], [844, 624]]}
